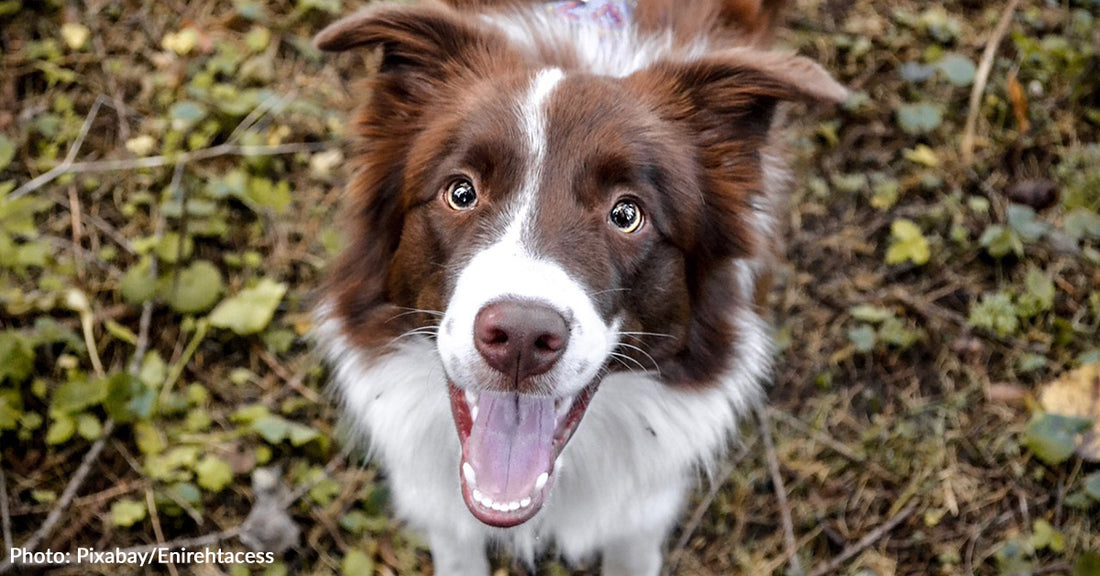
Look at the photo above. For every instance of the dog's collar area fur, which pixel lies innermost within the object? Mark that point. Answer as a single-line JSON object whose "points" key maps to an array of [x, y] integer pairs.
{"points": [[607, 14]]}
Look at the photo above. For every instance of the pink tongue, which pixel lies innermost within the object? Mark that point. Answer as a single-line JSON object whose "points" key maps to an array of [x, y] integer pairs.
{"points": [[510, 443]]}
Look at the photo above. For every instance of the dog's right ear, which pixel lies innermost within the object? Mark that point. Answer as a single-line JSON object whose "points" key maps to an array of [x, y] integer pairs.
{"points": [[431, 39]]}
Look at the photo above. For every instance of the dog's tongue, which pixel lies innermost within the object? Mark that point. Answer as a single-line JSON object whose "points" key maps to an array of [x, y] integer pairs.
{"points": [[510, 443]]}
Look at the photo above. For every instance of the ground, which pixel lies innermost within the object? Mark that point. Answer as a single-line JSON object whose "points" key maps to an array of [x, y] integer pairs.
{"points": [[170, 172]]}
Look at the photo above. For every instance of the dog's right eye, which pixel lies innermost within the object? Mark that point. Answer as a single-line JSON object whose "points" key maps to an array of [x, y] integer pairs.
{"points": [[460, 195]]}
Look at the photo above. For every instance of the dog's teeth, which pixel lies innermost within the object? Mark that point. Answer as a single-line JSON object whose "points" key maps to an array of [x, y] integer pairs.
{"points": [[473, 413], [471, 397], [540, 482], [525, 503], [562, 408], [513, 506], [468, 474], [478, 496]]}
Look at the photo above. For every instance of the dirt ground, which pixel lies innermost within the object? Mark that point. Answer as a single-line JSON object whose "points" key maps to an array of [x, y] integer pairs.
{"points": [[169, 173]]}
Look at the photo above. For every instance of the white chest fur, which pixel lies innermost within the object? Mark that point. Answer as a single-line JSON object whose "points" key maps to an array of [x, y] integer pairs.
{"points": [[624, 472]]}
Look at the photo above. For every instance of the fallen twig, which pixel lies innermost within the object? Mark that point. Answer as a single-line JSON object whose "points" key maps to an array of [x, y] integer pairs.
{"points": [[5, 511], [789, 541], [865, 542], [164, 160], [818, 436], [196, 542], [981, 79], [67, 496], [692, 524], [151, 503]]}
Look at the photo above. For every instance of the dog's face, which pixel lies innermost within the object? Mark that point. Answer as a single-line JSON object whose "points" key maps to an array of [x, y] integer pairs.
{"points": [[548, 227]]}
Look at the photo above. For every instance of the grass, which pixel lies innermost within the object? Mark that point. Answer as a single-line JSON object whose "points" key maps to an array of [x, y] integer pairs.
{"points": [[169, 173]]}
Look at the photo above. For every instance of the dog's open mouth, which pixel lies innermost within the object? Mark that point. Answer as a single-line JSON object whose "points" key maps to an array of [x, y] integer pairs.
{"points": [[510, 447]]}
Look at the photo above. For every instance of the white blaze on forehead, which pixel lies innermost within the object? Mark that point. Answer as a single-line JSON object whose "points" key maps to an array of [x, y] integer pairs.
{"points": [[507, 269], [532, 115]]}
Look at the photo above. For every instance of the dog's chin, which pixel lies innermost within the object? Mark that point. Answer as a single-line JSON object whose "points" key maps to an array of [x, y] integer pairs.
{"points": [[511, 444]]}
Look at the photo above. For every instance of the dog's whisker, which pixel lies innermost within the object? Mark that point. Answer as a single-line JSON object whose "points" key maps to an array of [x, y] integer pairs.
{"points": [[643, 352], [410, 311], [620, 357], [430, 331], [636, 334], [608, 290]]}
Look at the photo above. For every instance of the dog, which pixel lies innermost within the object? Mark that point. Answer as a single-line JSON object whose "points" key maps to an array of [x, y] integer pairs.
{"points": [[560, 221]]}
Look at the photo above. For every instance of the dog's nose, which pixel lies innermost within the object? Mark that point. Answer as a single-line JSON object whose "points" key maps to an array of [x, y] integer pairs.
{"points": [[520, 338]]}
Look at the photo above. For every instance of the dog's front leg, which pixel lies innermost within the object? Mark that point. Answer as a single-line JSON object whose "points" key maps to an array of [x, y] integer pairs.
{"points": [[456, 556], [638, 555]]}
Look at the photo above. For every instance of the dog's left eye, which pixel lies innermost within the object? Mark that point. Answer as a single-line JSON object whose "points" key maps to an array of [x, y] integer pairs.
{"points": [[460, 195], [626, 216]]}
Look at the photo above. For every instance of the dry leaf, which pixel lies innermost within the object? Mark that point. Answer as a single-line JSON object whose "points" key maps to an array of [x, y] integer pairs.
{"points": [[1018, 97], [1077, 394], [1006, 394]]}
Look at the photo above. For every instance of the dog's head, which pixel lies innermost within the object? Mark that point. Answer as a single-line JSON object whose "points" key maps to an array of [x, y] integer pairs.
{"points": [[548, 226]]}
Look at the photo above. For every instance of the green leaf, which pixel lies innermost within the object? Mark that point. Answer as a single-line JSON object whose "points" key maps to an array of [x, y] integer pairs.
{"points": [[16, 357], [186, 114], [1092, 486], [88, 427], [1088, 564], [894, 332], [17, 216], [61, 429], [264, 193], [1044, 536], [300, 434], [138, 285], [862, 338], [148, 438], [907, 243], [918, 119], [128, 398], [1051, 437], [213, 474], [923, 155], [356, 562], [11, 409], [330, 6], [1030, 362], [78, 394], [995, 312], [126, 512], [7, 151], [153, 370], [958, 69], [196, 288], [1039, 296], [999, 241], [870, 313], [250, 311], [257, 38], [172, 247], [272, 428], [1082, 224], [1023, 220]]}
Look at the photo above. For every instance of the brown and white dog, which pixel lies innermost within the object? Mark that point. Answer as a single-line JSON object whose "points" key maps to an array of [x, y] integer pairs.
{"points": [[559, 219]]}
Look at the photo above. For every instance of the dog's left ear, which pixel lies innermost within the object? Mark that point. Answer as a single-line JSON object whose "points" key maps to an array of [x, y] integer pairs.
{"points": [[736, 88], [726, 103], [429, 40]]}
